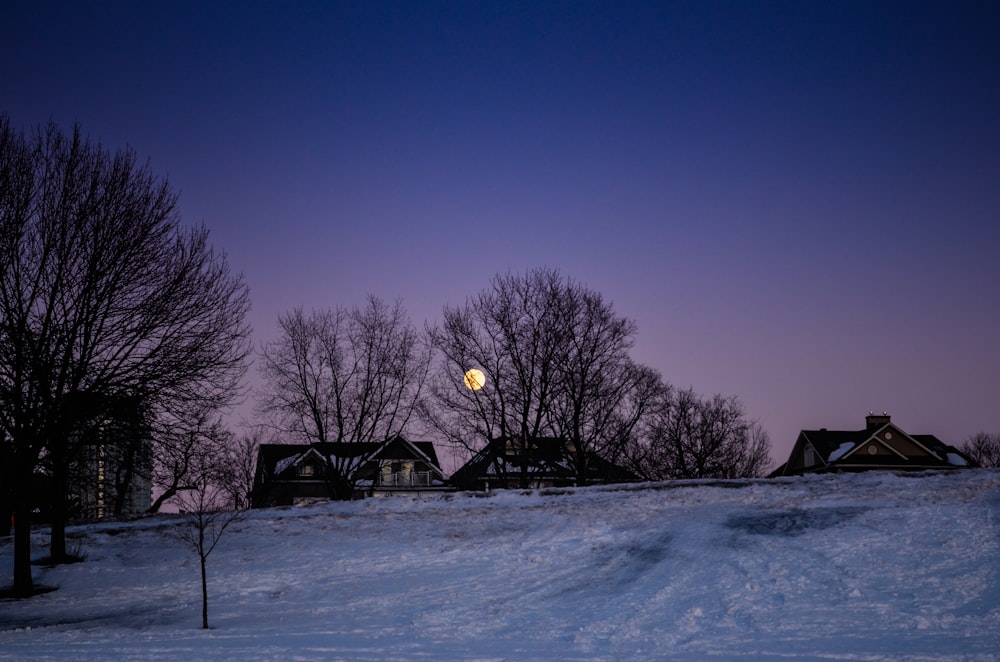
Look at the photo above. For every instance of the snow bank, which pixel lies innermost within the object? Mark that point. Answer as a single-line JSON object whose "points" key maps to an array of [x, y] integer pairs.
{"points": [[866, 566]]}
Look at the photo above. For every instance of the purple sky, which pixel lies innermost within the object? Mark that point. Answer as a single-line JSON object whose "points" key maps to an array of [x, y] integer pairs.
{"points": [[797, 202]]}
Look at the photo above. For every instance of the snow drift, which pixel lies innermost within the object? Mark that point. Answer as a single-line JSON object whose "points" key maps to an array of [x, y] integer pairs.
{"points": [[862, 567]]}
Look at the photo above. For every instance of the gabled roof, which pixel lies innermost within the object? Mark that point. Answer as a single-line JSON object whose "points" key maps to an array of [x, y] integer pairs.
{"points": [[881, 444], [290, 461], [420, 450], [547, 458], [276, 459], [544, 459]]}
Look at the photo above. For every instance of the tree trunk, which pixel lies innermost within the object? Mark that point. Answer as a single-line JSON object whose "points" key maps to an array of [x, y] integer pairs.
{"points": [[57, 541], [24, 586], [6, 507], [6, 485], [340, 487], [345, 489], [58, 510], [582, 467], [204, 592], [124, 474]]}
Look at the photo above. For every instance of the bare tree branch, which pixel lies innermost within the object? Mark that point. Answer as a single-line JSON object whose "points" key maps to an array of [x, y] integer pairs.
{"points": [[556, 360], [339, 376]]}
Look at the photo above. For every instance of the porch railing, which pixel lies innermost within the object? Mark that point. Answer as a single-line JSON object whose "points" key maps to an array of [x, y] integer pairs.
{"points": [[405, 479]]}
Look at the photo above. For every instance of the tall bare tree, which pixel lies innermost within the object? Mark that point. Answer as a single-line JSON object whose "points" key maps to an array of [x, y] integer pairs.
{"points": [[511, 332], [603, 394], [102, 292], [687, 436], [556, 362], [343, 376]]}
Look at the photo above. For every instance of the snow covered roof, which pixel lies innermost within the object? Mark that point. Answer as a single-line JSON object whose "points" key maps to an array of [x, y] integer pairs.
{"points": [[286, 462], [349, 456]]}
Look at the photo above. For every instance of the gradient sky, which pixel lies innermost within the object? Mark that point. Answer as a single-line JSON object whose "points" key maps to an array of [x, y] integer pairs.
{"points": [[799, 203]]}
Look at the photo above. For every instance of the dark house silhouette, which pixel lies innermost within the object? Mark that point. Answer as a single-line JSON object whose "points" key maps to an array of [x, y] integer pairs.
{"points": [[510, 463], [292, 474], [881, 444]]}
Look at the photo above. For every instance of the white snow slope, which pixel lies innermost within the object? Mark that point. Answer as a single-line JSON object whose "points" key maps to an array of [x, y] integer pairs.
{"points": [[859, 567]]}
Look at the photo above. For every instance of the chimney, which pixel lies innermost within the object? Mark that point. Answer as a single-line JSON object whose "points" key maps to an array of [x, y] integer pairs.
{"points": [[874, 421]]}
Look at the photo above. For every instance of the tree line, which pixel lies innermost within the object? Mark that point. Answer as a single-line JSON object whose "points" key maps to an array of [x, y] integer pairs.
{"points": [[555, 362]]}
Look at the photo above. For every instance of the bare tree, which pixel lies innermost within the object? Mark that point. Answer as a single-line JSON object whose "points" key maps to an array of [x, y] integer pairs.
{"points": [[603, 394], [102, 292], [687, 436], [343, 376], [555, 357], [983, 449], [238, 459], [511, 332], [206, 511]]}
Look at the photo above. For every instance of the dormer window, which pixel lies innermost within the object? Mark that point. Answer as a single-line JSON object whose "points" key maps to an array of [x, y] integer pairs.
{"points": [[307, 470]]}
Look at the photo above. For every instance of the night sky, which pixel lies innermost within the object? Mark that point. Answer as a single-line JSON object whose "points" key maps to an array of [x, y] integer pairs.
{"points": [[798, 203]]}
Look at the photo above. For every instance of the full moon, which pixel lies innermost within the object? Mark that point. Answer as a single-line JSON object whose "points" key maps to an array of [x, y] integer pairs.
{"points": [[475, 379]]}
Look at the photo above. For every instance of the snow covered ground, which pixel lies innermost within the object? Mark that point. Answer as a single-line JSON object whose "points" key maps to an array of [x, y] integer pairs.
{"points": [[859, 567]]}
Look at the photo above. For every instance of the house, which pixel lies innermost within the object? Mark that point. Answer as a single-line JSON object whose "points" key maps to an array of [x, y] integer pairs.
{"points": [[542, 462], [881, 444], [292, 474]]}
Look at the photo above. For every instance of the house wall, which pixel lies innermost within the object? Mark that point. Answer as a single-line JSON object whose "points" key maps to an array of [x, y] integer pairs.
{"points": [[796, 460], [891, 439], [290, 493], [904, 445], [871, 448]]}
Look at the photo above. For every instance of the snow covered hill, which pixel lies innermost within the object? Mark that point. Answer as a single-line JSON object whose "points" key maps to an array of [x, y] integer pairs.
{"points": [[860, 567]]}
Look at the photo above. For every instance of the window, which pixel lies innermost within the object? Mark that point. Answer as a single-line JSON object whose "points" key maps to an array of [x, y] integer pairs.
{"points": [[307, 470]]}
